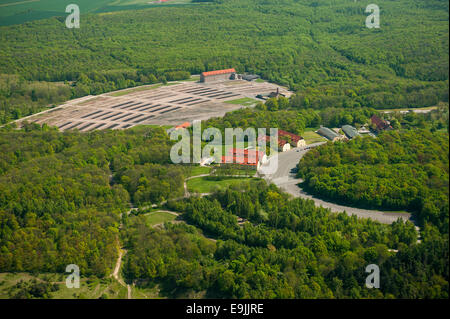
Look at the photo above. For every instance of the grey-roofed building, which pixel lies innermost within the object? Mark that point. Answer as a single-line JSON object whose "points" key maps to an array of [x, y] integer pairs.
{"points": [[250, 77], [350, 131], [329, 134]]}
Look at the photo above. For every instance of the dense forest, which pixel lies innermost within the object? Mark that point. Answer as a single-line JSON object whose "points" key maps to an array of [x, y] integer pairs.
{"points": [[398, 170], [61, 194], [286, 249], [322, 50], [289, 118], [77, 198]]}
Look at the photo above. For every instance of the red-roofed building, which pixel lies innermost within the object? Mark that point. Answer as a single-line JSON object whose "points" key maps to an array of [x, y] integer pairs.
{"points": [[218, 76], [380, 124], [295, 140], [283, 146], [285, 140], [244, 157], [184, 125]]}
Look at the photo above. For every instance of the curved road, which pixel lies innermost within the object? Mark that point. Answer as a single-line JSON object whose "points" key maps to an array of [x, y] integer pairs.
{"points": [[285, 178]]}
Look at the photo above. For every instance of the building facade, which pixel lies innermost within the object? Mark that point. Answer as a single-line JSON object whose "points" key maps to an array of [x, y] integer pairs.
{"points": [[218, 76]]}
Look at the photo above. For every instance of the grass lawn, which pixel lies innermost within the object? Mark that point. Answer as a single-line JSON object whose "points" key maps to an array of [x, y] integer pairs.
{"points": [[209, 184], [91, 288], [145, 292], [192, 79], [199, 170], [251, 171], [259, 81], [159, 217], [246, 101], [311, 129], [312, 137]]}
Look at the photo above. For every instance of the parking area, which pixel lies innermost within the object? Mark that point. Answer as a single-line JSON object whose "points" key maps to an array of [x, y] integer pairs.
{"points": [[170, 104]]}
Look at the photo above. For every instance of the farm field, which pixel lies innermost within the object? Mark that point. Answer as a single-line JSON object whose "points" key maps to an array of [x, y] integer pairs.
{"points": [[20, 11]]}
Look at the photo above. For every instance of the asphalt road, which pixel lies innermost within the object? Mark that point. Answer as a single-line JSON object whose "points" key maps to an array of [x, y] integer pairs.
{"points": [[285, 178]]}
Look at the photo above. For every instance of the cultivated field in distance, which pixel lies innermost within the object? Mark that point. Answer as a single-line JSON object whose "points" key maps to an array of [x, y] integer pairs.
{"points": [[20, 11]]}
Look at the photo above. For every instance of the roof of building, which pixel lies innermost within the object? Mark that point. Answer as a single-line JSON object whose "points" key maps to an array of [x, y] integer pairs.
{"points": [[295, 138], [238, 160], [246, 152], [184, 125], [250, 77], [243, 157], [350, 131], [380, 124], [281, 142], [329, 134], [217, 72]]}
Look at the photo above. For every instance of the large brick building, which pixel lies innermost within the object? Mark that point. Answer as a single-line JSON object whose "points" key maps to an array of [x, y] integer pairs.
{"points": [[218, 76], [244, 157]]}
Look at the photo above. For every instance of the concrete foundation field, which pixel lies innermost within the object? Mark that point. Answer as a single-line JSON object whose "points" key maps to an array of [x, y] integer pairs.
{"points": [[170, 104]]}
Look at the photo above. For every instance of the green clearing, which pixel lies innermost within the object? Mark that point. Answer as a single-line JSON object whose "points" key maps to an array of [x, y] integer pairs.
{"points": [[209, 184], [199, 170], [246, 101], [194, 78], [145, 292], [155, 218], [312, 137], [93, 289], [248, 171], [90, 288]]}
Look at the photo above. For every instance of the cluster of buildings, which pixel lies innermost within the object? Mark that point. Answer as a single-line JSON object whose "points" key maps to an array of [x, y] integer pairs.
{"points": [[270, 95], [225, 75], [286, 140], [256, 158], [377, 125], [231, 74]]}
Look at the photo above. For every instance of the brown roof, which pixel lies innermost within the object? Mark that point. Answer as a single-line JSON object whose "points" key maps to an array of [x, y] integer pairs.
{"points": [[218, 72], [281, 142], [295, 138], [380, 124]]}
